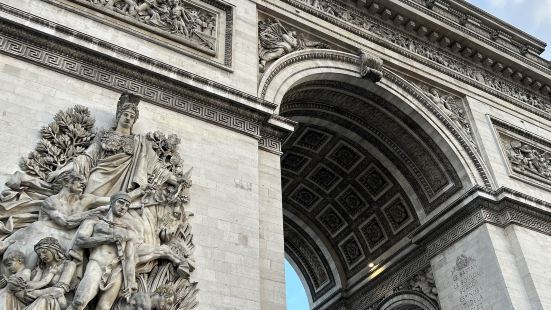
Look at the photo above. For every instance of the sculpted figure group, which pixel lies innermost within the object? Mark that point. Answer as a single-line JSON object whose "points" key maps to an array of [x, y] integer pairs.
{"points": [[275, 41], [191, 22], [528, 159], [106, 228]]}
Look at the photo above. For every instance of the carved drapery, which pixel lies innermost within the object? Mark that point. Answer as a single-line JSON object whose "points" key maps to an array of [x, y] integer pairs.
{"points": [[184, 20], [276, 40], [451, 105], [99, 216], [527, 155]]}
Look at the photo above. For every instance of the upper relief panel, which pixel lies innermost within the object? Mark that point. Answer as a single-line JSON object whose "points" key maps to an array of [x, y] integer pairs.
{"points": [[198, 27]]}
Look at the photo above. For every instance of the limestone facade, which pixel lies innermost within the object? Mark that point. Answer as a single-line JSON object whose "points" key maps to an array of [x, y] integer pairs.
{"points": [[397, 154]]}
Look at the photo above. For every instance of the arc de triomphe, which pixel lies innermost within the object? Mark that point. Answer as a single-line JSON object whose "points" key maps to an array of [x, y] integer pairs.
{"points": [[170, 154]]}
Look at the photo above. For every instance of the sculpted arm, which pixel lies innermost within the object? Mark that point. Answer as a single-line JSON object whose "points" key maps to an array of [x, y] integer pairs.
{"points": [[87, 239], [67, 221], [42, 281]]}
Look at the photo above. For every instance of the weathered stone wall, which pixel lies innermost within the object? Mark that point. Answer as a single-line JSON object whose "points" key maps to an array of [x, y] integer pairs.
{"points": [[235, 194], [240, 75], [494, 268]]}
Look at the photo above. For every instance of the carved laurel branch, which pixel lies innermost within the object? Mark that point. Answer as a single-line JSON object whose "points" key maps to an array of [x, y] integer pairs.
{"points": [[66, 137]]}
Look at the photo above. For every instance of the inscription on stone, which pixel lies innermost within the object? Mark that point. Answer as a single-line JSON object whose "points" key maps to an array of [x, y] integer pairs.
{"points": [[466, 277]]}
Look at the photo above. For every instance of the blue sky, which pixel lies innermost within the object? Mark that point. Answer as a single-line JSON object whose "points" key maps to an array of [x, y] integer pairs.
{"points": [[532, 17]]}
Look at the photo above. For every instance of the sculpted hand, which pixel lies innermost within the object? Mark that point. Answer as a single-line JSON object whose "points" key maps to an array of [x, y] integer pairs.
{"points": [[127, 293], [99, 211], [118, 237]]}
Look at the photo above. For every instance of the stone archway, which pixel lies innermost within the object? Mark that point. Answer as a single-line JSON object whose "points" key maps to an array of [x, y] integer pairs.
{"points": [[407, 301], [367, 165]]}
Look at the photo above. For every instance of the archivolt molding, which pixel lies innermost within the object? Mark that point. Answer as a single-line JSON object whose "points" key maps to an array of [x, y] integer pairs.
{"points": [[458, 133], [431, 191], [308, 257], [402, 299], [448, 63], [298, 67], [323, 61]]}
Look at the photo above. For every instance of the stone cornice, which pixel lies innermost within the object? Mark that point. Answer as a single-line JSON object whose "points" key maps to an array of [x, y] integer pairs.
{"points": [[502, 208], [473, 22], [70, 59], [199, 81], [515, 90]]}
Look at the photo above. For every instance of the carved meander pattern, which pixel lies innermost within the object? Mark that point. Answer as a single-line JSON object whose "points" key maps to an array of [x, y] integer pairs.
{"points": [[359, 23]]}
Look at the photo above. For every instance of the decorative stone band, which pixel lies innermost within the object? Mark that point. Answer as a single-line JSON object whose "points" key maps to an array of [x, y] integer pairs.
{"points": [[341, 58], [124, 54], [528, 156], [502, 208], [198, 31], [476, 28], [503, 213], [66, 58], [431, 56]]}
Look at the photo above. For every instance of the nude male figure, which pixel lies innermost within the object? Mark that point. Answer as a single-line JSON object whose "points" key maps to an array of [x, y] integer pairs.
{"points": [[111, 265]]}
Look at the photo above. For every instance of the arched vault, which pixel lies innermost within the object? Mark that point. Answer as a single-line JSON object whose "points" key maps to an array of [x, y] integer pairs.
{"points": [[366, 166]]}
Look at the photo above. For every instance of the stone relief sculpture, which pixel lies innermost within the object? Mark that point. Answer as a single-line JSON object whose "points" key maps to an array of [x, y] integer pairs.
{"points": [[371, 27], [527, 159], [184, 20], [371, 67], [422, 282], [276, 40], [100, 219], [450, 105]]}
